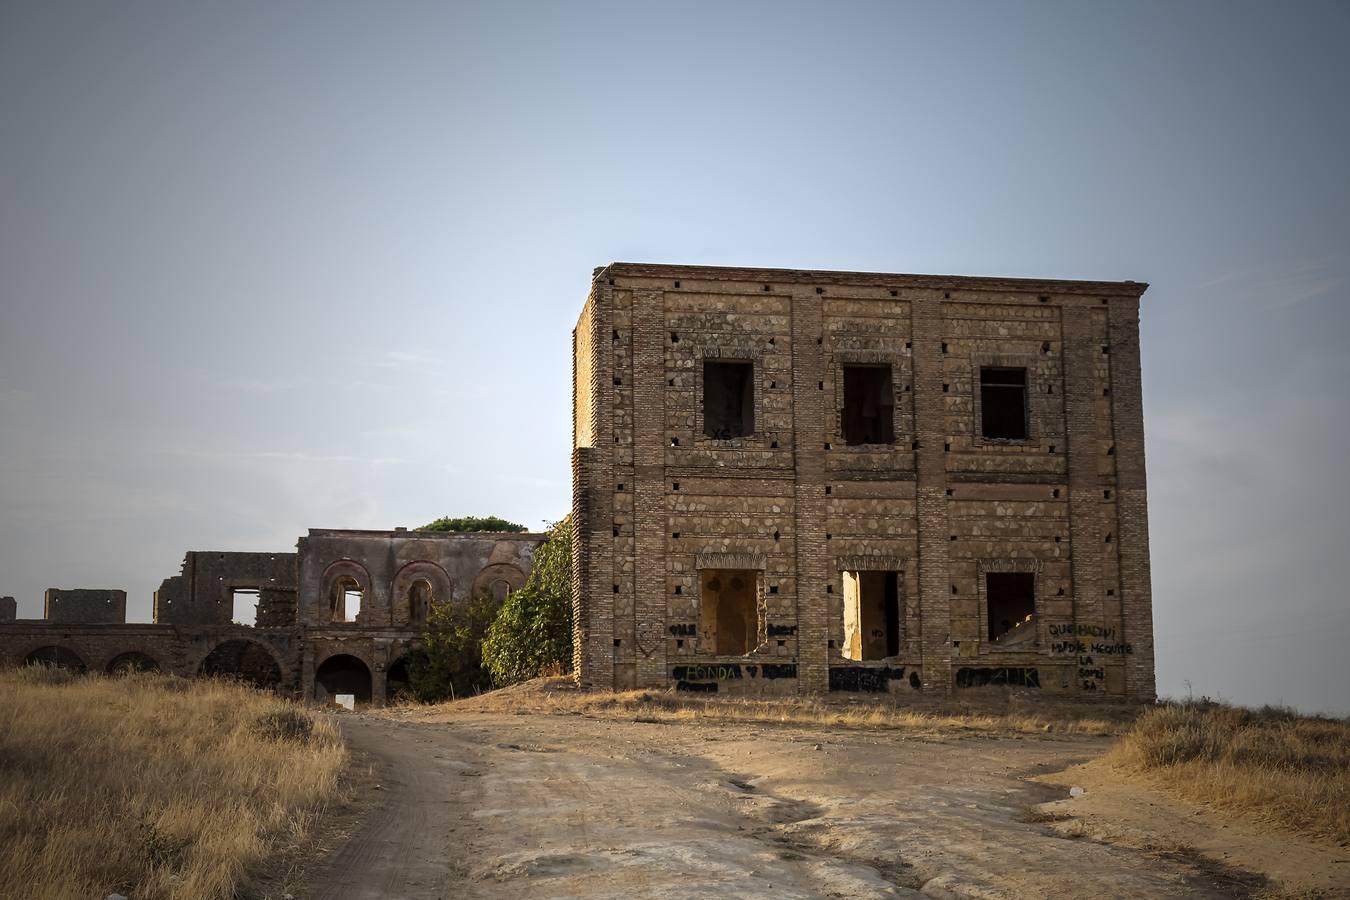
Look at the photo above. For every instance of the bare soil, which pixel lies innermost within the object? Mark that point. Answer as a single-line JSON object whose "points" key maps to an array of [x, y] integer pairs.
{"points": [[494, 804]]}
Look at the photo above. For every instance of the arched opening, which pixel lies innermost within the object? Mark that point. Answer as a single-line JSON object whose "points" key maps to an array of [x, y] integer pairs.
{"points": [[344, 601], [500, 588], [247, 661], [421, 596], [342, 675], [56, 657], [397, 685], [131, 662]]}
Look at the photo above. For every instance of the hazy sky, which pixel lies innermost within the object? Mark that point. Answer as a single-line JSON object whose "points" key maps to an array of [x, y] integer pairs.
{"points": [[266, 267]]}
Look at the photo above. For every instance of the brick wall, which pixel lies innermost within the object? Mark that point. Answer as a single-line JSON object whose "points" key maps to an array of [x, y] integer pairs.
{"points": [[657, 500]]}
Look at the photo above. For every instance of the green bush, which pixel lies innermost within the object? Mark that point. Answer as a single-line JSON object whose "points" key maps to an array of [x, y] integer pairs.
{"points": [[473, 523], [449, 663], [532, 634]]}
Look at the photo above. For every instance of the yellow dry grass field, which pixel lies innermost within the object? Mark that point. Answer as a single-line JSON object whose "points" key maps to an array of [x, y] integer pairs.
{"points": [[998, 713], [151, 786], [1269, 764]]}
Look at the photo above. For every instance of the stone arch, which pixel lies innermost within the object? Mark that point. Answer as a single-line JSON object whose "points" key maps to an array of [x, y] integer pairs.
{"points": [[57, 657], [340, 577], [342, 673], [250, 661], [132, 661], [416, 587], [494, 576]]}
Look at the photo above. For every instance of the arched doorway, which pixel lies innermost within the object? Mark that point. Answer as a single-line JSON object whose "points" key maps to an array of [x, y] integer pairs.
{"points": [[247, 661], [397, 685], [131, 662], [342, 674], [421, 596], [56, 657]]}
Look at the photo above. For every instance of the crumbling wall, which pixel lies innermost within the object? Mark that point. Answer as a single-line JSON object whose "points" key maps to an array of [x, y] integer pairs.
{"points": [[86, 606], [398, 572], [203, 594], [942, 502], [9, 609]]}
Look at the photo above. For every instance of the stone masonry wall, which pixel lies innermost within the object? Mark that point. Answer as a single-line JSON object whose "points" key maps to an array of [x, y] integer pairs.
{"points": [[89, 606], [656, 501]]}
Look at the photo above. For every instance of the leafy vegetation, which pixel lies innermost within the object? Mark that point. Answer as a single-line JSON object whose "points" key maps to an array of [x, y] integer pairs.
{"points": [[473, 523], [449, 664], [532, 635]]}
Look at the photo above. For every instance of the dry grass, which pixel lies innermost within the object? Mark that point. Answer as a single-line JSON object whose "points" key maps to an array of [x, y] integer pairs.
{"points": [[1271, 764], [995, 713], [151, 786]]}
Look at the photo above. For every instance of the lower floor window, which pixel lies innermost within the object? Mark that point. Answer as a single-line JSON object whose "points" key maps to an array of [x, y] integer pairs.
{"points": [[871, 615]]}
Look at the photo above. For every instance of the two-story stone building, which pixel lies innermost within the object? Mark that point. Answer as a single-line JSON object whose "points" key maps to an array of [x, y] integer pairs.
{"points": [[808, 481]]}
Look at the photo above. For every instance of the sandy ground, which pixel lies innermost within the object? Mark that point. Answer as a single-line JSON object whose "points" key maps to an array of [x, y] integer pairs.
{"points": [[500, 805]]}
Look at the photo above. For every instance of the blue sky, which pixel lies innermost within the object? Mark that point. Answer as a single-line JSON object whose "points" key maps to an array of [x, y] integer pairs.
{"points": [[266, 267]]}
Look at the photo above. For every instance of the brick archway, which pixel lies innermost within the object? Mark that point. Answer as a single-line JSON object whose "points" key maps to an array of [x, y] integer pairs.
{"points": [[408, 607]]}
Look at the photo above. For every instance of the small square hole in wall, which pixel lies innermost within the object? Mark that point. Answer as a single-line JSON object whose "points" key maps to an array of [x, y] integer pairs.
{"points": [[1052, 448], [946, 388], [895, 293], [953, 537], [820, 290], [944, 346], [782, 643], [1059, 593], [775, 534], [771, 342], [1043, 299], [1110, 592], [1056, 539], [618, 380], [677, 284], [616, 588], [671, 382], [829, 589], [820, 385], [675, 534], [767, 288], [1045, 346], [914, 445], [679, 643], [951, 493], [827, 446], [773, 384], [1049, 388], [773, 589], [674, 338], [1105, 350], [1108, 539], [618, 642], [1106, 495], [1111, 451], [1106, 392], [616, 530], [674, 485], [947, 448], [1055, 493], [831, 643], [1103, 301], [679, 589], [674, 442], [953, 589], [828, 536], [828, 489], [616, 334], [773, 445], [909, 345], [620, 485]]}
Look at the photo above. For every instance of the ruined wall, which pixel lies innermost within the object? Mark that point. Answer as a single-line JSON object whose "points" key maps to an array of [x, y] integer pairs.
{"points": [[84, 606], [203, 594], [396, 570], [657, 500], [9, 609]]}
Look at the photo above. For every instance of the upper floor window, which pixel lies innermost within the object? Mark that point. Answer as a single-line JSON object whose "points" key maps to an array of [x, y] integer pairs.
{"points": [[869, 405], [1003, 403], [728, 399]]}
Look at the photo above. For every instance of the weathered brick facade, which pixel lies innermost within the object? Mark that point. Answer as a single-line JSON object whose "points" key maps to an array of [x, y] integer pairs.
{"points": [[924, 483]]}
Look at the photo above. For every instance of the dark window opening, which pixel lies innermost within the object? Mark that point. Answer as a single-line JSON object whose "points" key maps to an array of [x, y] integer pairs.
{"points": [[1011, 600], [344, 601], [421, 596], [1003, 403], [728, 399], [869, 405], [871, 615], [729, 611]]}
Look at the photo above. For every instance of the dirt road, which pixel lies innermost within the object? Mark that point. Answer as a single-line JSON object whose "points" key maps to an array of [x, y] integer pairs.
{"points": [[555, 805]]}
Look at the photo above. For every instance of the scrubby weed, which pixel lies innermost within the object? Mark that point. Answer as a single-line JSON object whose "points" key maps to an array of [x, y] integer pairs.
{"points": [[1269, 763], [151, 786]]}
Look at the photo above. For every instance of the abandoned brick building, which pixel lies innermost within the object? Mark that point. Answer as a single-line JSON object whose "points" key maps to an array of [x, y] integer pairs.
{"points": [[796, 481], [335, 617]]}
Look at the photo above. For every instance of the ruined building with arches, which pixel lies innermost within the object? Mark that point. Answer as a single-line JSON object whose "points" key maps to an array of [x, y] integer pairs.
{"points": [[337, 616]]}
